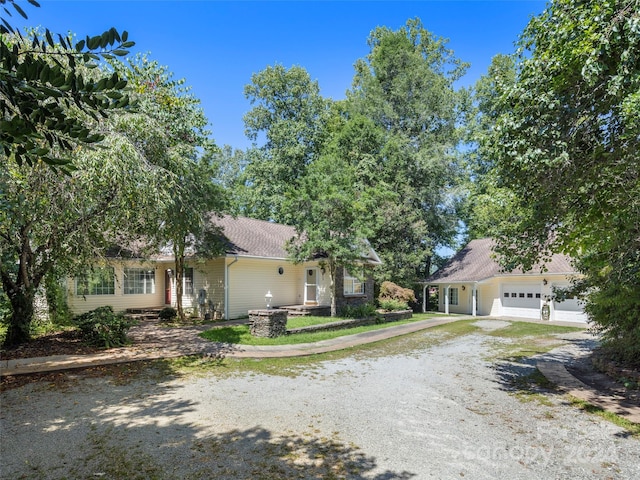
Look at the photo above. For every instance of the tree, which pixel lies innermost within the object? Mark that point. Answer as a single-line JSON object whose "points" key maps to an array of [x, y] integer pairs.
{"points": [[566, 143], [289, 114], [41, 80], [405, 86], [329, 212], [489, 206], [183, 219], [65, 222]]}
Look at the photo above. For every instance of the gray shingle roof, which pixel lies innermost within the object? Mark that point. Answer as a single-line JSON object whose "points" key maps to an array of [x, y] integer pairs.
{"points": [[476, 262], [255, 238]]}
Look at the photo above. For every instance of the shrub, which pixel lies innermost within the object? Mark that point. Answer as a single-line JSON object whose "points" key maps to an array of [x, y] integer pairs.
{"points": [[394, 297], [392, 305], [168, 314], [103, 328], [358, 311]]}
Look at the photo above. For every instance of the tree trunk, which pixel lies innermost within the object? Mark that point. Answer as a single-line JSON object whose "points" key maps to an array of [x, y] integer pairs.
{"points": [[332, 288], [179, 287], [22, 314]]}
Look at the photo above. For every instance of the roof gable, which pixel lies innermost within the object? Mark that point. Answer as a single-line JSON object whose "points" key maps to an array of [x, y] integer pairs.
{"points": [[477, 261]]}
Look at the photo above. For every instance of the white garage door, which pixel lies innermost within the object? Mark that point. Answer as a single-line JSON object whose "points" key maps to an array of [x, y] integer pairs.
{"points": [[521, 300], [568, 311]]}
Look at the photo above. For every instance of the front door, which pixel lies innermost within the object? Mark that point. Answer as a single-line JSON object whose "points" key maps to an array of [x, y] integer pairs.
{"points": [[311, 286], [167, 287]]}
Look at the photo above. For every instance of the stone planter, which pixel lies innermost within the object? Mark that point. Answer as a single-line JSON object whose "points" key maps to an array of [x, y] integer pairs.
{"points": [[268, 323]]}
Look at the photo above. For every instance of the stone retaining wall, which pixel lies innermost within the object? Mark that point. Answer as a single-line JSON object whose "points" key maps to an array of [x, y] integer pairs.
{"points": [[356, 322]]}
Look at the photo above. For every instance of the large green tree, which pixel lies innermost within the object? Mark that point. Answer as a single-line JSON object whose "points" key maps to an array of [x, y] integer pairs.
{"points": [[286, 124], [41, 77], [330, 210], [566, 143], [182, 220], [64, 222], [490, 206], [405, 86]]}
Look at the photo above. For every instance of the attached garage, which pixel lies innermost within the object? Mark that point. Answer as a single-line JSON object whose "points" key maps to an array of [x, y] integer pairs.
{"points": [[569, 310], [521, 300]]}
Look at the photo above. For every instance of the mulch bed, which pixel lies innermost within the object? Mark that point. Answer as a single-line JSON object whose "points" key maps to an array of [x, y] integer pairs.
{"points": [[58, 343]]}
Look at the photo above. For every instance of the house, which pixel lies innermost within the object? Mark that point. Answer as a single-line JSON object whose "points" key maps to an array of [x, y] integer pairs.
{"points": [[255, 263], [472, 282]]}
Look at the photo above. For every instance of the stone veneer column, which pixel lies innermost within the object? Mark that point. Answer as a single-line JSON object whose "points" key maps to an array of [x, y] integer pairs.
{"points": [[268, 323]]}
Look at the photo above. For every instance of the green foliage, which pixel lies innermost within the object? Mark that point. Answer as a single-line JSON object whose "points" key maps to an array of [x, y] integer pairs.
{"points": [[404, 88], [365, 310], [290, 112], [392, 304], [167, 314], [56, 294], [103, 328], [389, 290], [42, 78], [566, 144]]}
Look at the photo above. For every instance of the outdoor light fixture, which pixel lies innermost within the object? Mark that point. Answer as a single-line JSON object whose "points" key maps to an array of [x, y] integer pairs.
{"points": [[544, 281], [267, 299], [463, 288]]}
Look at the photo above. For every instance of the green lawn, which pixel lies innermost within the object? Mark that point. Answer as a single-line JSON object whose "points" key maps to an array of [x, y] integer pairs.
{"points": [[240, 334]]}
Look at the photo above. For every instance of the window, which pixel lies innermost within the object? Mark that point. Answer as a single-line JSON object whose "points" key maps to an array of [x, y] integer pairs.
{"points": [[353, 285], [99, 281], [529, 295], [514, 295], [506, 294], [453, 294], [537, 295], [187, 276], [521, 294], [139, 281]]}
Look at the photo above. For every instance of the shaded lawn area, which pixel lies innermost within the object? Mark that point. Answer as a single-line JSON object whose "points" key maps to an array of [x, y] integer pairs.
{"points": [[240, 334]]}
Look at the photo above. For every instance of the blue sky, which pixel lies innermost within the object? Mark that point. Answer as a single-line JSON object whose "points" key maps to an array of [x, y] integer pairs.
{"points": [[217, 45]]}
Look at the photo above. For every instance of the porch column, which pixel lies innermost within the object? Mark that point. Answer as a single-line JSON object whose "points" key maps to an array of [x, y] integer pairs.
{"points": [[474, 300], [424, 298], [446, 299]]}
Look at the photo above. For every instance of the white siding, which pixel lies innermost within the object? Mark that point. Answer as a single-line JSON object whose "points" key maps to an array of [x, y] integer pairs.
{"points": [[119, 301], [250, 279]]}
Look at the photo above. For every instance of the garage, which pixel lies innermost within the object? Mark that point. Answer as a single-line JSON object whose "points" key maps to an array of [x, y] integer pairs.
{"points": [[521, 300], [569, 310]]}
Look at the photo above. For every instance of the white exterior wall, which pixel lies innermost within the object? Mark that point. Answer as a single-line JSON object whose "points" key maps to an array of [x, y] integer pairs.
{"points": [[119, 301], [250, 279], [490, 299], [207, 276]]}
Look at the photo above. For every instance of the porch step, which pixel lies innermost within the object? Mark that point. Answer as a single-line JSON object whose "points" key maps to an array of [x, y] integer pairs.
{"points": [[150, 313], [306, 310]]}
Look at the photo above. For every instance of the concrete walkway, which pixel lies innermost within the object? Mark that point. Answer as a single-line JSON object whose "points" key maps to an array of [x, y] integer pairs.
{"points": [[183, 341], [158, 342]]}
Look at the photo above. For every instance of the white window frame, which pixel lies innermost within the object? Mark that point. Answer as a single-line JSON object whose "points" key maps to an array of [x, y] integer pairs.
{"points": [[454, 297], [95, 282], [187, 287], [353, 285], [139, 281]]}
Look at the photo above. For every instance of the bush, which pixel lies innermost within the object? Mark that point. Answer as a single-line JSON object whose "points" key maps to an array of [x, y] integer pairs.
{"points": [[393, 297], [168, 314], [103, 328], [358, 311], [392, 305]]}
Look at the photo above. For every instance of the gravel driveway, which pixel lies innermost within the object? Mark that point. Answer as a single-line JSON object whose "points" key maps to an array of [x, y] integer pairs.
{"points": [[441, 411]]}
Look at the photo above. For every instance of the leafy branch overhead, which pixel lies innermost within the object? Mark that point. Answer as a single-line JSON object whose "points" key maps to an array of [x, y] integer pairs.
{"points": [[48, 93]]}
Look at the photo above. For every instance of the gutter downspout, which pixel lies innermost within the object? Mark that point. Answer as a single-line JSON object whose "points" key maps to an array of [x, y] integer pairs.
{"points": [[226, 287]]}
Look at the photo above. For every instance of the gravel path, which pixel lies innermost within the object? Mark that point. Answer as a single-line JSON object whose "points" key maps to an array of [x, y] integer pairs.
{"points": [[442, 412]]}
